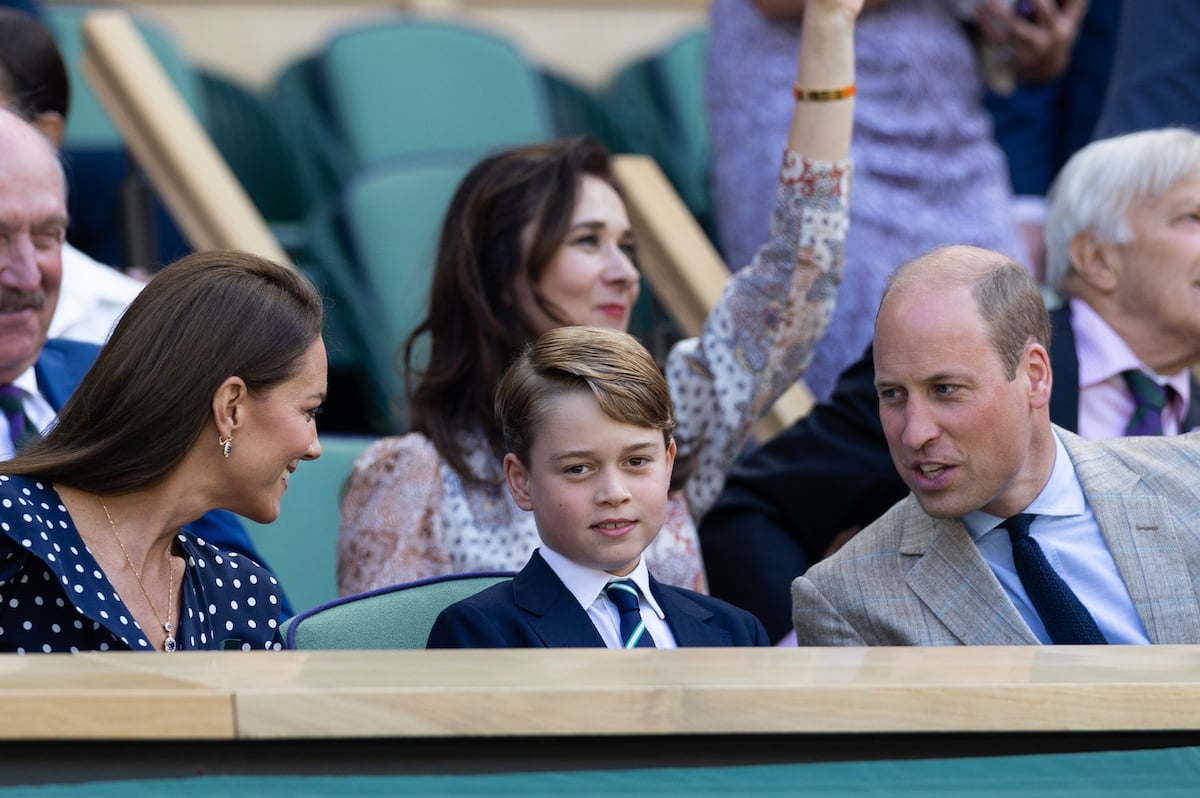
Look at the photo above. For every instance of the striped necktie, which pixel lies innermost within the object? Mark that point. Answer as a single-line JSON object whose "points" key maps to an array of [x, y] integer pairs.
{"points": [[624, 594], [1062, 613], [20, 428], [1149, 398]]}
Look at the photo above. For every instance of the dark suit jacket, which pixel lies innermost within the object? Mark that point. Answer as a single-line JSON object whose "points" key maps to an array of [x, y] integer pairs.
{"points": [[1155, 66], [783, 503], [535, 610], [1040, 126], [59, 370]]}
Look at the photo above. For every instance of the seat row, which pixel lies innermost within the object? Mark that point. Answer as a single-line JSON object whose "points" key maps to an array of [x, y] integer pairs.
{"points": [[352, 154]]}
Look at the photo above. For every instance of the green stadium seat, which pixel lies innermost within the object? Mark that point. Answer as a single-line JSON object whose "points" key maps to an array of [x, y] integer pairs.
{"points": [[301, 544], [391, 617], [409, 85]]}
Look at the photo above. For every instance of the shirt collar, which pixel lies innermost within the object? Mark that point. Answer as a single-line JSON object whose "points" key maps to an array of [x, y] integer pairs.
{"points": [[1062, 495], [1103, 354], [587, 584], [27, 382]]}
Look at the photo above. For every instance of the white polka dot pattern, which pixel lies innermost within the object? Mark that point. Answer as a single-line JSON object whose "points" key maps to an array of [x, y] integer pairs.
{"points": [[54, 597]]}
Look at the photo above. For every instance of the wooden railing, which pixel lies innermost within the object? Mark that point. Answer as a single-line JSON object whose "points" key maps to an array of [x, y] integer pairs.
{"points": [[741, 693]]}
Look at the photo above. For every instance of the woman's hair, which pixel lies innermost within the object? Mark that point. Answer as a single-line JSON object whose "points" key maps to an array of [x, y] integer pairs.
{"points": [[207, 317], [612, 366], [32, 73], [508, 218]]}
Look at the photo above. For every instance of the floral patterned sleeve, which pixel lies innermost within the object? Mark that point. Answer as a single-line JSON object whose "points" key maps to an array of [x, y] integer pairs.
{"points": [[760, 336], [390, 530]]}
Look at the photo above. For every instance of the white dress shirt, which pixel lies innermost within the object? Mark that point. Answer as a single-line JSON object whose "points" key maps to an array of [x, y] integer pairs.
{"points": [[587, 586], [91, 298]]}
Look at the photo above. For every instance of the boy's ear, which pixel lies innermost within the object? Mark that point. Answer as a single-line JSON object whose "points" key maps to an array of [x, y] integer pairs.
{"points": [[671, 449], [517, 477]]}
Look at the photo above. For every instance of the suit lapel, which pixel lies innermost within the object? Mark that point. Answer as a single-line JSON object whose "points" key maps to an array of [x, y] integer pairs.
{"points": [[690, 623], [953, 580], [552, 611], [60, 368], [1143, 541]]}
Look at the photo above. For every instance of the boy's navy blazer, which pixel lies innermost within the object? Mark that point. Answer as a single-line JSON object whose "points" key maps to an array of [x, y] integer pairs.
{"points": [[535, 610]]}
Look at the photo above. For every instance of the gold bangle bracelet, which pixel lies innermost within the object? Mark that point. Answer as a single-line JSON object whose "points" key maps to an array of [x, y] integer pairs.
{"points": [[822, 95]]}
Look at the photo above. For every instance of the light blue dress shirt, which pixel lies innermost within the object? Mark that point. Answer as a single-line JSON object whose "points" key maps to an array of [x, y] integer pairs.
{"points": [[1067, 531]]}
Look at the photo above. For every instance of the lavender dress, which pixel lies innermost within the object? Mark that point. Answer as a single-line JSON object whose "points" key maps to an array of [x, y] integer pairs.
{"points": [[927, 169]]}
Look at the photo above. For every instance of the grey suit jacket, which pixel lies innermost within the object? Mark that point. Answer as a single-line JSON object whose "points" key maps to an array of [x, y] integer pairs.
{"points": [[909, 579]]}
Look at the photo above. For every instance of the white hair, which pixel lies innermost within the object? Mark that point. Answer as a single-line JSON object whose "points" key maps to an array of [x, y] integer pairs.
{"points": [[1097, 186]]}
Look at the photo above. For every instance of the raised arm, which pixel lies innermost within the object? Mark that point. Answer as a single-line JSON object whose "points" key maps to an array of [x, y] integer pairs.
{"points": [[820, 129], [760, 336]]}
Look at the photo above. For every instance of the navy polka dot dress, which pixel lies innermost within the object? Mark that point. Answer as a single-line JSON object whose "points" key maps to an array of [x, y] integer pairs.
{"points": [[54, 597]]}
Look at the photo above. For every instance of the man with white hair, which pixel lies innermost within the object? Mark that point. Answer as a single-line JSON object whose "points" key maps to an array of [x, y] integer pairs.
{"points": [[1123, 249], [1123, 252]]}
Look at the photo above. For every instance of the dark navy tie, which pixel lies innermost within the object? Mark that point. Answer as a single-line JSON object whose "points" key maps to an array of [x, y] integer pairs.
{"points": [[1066, 620], [20, 428], [1149, 398], [624, 594]]}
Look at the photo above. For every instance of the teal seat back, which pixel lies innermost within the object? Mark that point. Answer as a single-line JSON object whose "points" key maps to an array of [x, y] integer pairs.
{"points": [[261, 155], [657, 103], [301, 545], [577, 110], [411, 85], [392, 617], [392, 215], [296, 101]]}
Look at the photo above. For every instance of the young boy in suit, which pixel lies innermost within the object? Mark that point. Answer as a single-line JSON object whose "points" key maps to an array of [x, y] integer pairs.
{"points": [[588, 424]]}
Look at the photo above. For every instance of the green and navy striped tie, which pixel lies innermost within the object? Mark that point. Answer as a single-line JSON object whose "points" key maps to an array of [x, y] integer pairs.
{"points": [[624, 594], [1149, 398]]}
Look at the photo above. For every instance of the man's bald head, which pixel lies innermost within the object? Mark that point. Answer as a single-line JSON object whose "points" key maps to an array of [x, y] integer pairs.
{"points": [[1007, 299]]}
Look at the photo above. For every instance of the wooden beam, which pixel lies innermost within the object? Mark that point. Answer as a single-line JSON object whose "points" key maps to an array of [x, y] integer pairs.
{"points": [[163, 135]]}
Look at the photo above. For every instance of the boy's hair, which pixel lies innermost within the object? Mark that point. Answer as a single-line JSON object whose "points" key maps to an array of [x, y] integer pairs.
{"points": [[612, 365]]}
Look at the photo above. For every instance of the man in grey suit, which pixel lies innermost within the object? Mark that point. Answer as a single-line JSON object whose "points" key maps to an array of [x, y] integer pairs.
{"points": [[964, 386]]}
